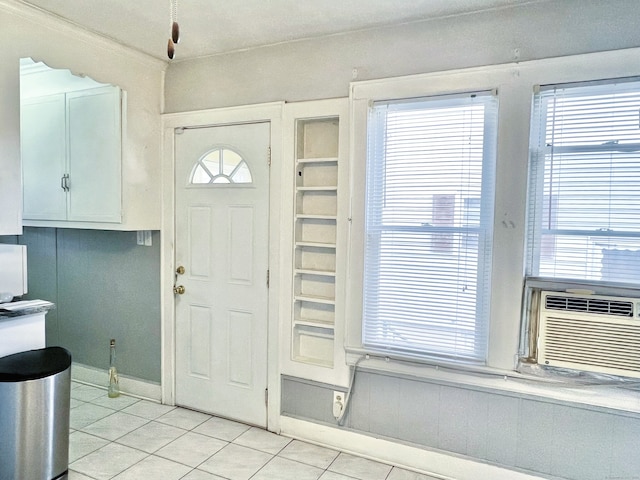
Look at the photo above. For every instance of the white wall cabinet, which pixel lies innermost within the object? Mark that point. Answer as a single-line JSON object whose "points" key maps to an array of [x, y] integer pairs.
{"points": [[72, 156], [317, 140]]}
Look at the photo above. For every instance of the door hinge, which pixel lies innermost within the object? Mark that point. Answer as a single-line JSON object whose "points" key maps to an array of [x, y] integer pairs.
{"points": [[269, 156], [266, 397], [268, 278]]}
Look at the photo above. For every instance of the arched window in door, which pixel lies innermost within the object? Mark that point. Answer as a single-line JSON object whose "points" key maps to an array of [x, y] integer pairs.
{"points": [[222, 165]]}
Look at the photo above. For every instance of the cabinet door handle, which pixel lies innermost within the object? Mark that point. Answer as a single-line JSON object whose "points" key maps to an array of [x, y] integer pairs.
{"points": [[64, 182]]}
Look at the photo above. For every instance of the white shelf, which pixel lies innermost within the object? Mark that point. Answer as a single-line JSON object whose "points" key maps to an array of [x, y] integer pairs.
{"points": [[303, 216], [310, 271], [313, 361], [316, 245], [315, 324], [313, 345], [315, 299], [318, 160], [327, 188]]}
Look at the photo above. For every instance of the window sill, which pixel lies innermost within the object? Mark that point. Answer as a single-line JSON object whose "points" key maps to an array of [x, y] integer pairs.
{"points": [[509, 383]]}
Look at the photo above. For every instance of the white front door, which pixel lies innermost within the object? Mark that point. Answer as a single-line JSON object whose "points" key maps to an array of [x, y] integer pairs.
{"points": [[222, 220]]}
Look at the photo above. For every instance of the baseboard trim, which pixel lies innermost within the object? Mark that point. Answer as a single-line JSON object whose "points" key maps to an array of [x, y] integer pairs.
{"points": [[131, 386], [428, 462]]}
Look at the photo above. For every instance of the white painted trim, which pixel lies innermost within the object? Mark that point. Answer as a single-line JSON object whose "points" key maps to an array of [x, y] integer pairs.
{"points": [[224, 116], [510, 383], [428, 462], [100, 378], [267, 112], [572, 68], [167, 269], [338, 374]]}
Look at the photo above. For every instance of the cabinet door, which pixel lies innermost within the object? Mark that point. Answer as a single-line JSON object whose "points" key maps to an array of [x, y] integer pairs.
{"points": [[94, 156], [43, 144]]}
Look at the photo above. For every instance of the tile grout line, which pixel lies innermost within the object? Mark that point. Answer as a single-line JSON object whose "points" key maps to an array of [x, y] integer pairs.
{"points": [[183, 432]]}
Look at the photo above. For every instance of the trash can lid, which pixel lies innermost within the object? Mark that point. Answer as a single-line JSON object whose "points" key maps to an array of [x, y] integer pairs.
{"points": [[34, 364]]}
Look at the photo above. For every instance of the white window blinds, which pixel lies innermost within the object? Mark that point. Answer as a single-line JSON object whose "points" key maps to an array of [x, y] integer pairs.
{"points": [[429, 211], [584, 183]]}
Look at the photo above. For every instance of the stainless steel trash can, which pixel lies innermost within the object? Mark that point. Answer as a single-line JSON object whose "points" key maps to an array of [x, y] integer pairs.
{"points": [[35, 389]]}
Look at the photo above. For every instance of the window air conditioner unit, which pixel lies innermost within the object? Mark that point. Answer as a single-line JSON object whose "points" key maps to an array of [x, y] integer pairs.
{"points": [[592, 333]]}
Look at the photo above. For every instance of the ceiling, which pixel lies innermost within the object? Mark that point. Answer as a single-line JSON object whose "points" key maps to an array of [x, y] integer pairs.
{"points": [[211, 27]]}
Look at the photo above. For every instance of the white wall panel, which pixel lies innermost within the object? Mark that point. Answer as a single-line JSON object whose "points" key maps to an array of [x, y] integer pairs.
{"points": [[239, 327], [200, 225], [200, 345], [520, 432], [241, 241]]}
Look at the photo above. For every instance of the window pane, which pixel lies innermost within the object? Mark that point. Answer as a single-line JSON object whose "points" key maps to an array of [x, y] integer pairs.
{"points": [[212, 162], [429, 214], [200, 175], [231, 161], [221, 166], [220, 179], [584, 183], [241, 174]]}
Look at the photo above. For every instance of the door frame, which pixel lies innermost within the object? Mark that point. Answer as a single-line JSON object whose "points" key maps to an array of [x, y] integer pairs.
{"points": [[266, 112]]}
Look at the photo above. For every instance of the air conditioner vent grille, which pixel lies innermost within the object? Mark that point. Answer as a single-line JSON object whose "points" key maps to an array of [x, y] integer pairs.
{"points": [[590, 345], [593, 333], [600, 306]]}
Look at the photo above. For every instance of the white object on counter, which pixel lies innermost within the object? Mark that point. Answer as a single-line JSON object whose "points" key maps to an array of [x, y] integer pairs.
{"points": [[13, 269], [21, 333], [26, 306]]}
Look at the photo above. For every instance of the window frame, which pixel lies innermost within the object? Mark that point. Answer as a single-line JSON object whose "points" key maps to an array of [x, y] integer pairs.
{"points": [[515, 84], [535, 246], [200, 165], [377, 227]]}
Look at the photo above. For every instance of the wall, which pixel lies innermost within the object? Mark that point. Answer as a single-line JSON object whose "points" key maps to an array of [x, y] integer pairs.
{"points": [[323, 67], [526, 433], [104, 286], [532, 433], [27, 32], [312, 69]]}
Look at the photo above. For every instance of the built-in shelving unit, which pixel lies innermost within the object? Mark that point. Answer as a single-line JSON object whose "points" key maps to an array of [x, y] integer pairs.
{"points": [[318, 225], [314, 274]]}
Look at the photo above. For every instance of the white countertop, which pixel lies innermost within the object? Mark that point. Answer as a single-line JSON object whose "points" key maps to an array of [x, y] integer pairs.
{"points": [[22, 326]]}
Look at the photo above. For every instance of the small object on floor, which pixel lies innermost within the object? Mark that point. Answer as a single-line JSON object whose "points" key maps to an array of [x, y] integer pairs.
{"points": [[114, 387]]}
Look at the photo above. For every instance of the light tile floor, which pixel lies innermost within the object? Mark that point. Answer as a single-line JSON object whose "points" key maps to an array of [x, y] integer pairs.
{"points": [[130, 439]]}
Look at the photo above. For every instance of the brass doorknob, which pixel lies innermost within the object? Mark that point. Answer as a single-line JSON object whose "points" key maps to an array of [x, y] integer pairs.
{"points": [[180, 270], [179, 289]]}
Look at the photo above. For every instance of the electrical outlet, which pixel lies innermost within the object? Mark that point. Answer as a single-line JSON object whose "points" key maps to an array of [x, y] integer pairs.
{"points": [[338, 404]]}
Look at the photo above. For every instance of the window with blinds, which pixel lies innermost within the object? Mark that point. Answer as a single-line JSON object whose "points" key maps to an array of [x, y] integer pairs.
{"points": [[429, 212], [584, 183]]}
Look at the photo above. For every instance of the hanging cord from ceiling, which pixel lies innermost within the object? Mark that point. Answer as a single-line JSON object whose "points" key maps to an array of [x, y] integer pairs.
{"points": [[174, 38]]}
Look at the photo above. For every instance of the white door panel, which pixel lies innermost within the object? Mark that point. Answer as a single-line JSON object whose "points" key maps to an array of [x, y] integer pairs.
{"points": [[221, 240]]}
